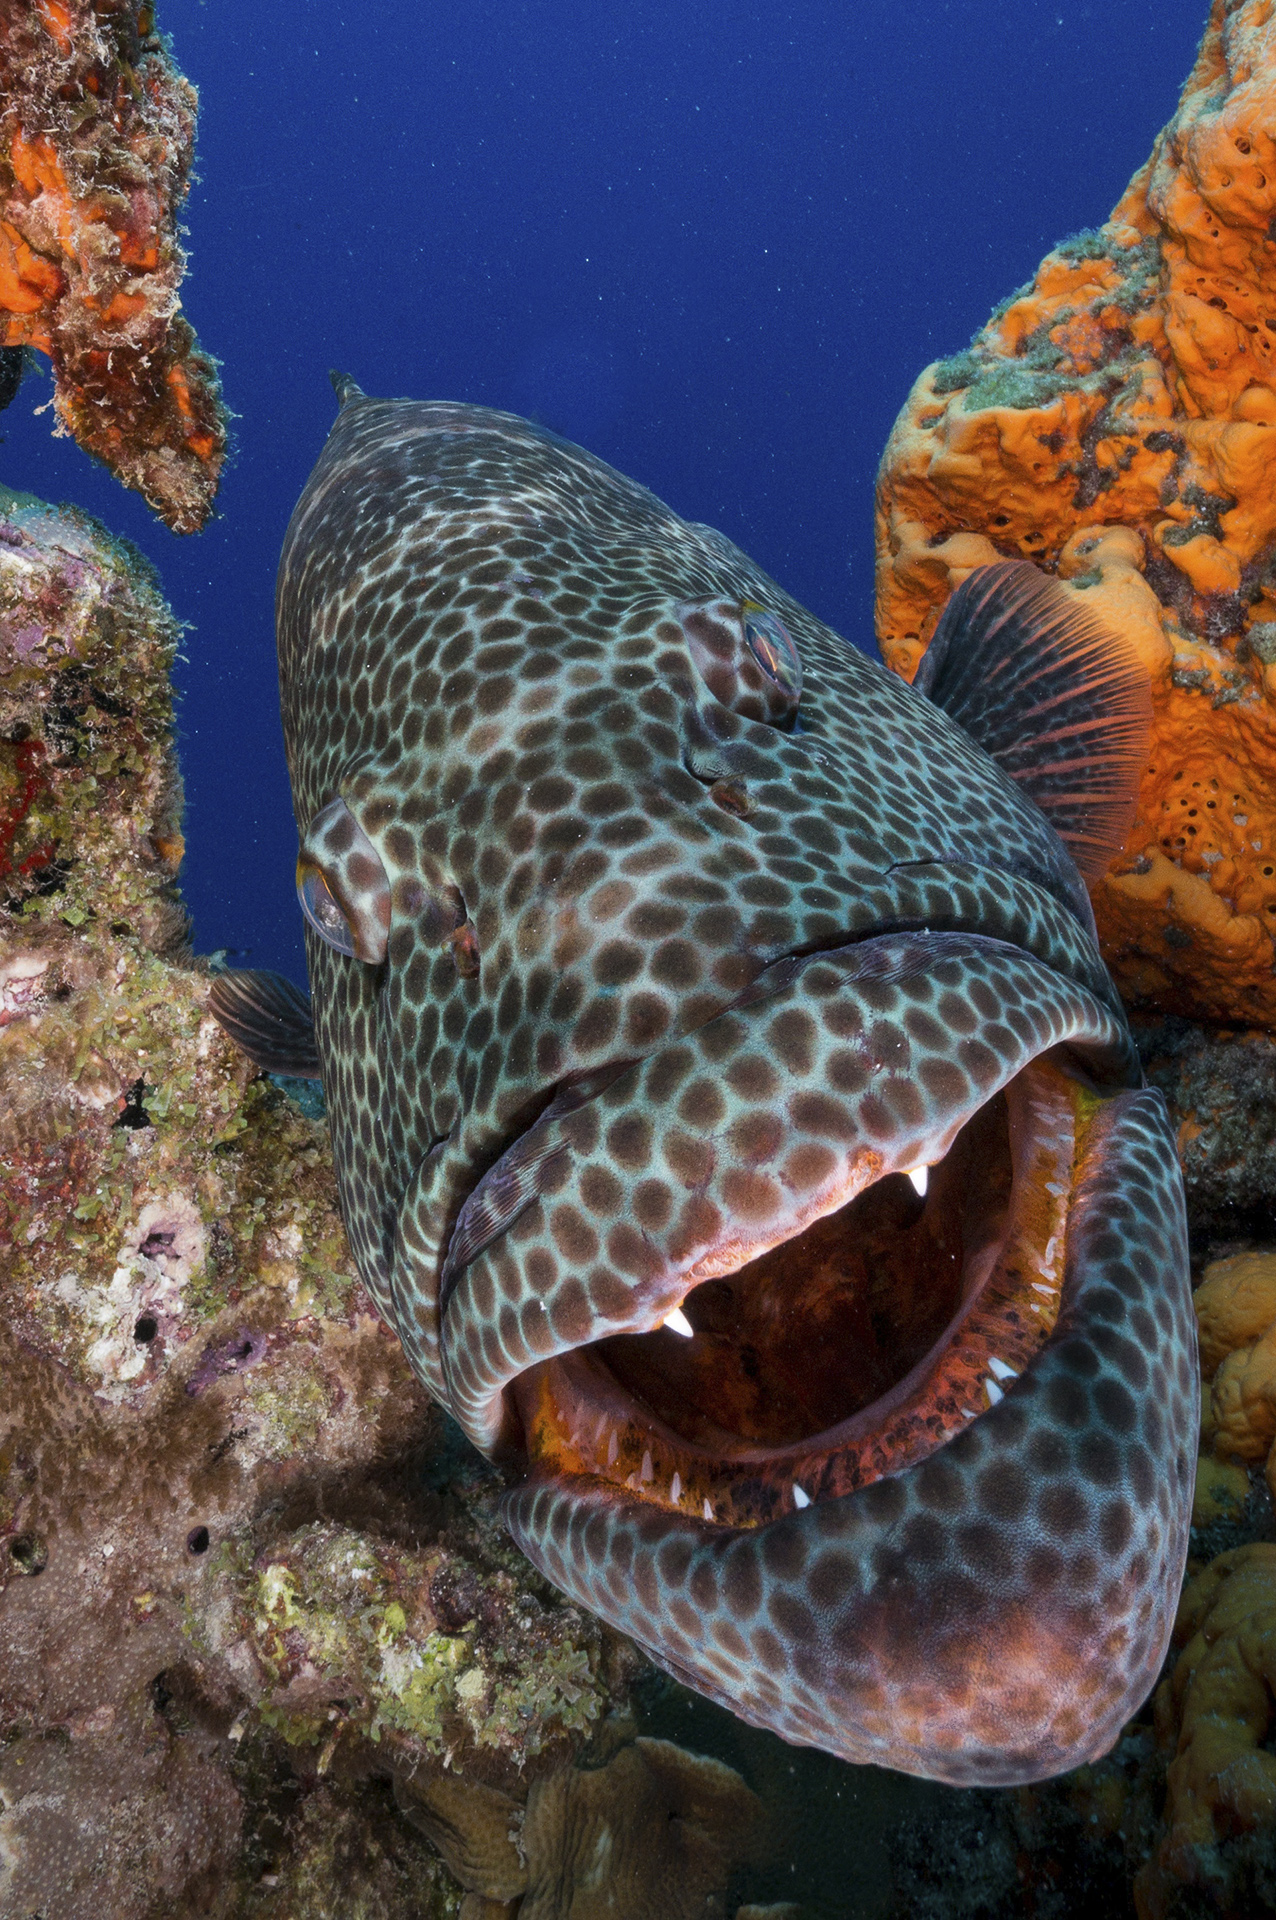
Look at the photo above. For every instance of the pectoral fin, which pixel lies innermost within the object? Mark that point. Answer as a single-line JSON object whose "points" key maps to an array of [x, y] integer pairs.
{"points": [[268, 1018], [1057, 699]]}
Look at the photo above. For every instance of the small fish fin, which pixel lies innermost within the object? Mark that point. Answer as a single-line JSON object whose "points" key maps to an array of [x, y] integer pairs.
{"points": [[1057, 699], [268, 1018], [506, 1190], [345, 388]]}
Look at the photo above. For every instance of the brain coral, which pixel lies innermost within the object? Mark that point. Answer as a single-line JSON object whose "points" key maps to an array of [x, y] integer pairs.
{"points": [[97, 134], [1115, 422]]}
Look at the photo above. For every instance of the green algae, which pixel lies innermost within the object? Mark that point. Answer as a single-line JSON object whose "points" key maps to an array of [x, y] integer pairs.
{"points": [[353, 1615]]}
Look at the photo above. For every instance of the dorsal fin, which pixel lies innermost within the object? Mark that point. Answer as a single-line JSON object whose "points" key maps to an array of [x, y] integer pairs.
{"points": [[345, 388], [268, 1018], [1057, 699]]}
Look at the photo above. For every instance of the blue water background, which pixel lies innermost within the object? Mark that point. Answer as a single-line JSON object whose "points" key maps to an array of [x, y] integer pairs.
{"points": [[715, 244]]}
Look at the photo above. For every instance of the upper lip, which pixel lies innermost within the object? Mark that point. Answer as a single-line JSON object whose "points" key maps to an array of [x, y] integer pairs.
{"points": [[467, 1237], [469, 1234], [520, 1176]]}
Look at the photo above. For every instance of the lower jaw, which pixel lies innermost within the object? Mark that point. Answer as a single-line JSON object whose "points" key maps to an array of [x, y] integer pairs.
{"points": [[902, 1321]]}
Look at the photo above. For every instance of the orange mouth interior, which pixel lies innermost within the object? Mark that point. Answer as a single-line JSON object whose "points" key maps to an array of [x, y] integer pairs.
{"points": [[850, 1351]]}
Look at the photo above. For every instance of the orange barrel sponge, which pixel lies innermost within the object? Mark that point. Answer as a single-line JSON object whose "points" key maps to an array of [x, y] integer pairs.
{"points": [[1217, 1712], [1115, 422], [97, 133]]}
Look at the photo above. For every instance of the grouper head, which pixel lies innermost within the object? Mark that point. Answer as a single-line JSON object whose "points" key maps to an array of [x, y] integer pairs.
{"points": [[731, 1110]]}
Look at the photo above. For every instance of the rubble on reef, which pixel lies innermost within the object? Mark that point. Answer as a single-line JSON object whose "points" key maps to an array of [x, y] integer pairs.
{"points": [[1220, 1085], [97, 131], [1115, 422]]}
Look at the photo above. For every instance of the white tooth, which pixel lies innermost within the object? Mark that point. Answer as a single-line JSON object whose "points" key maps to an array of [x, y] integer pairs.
{"points": [[800, 1499], [993, 1391], [708, 1511], [918, 1176], [675, 1488], [677, 1322], [1002, 1371], [613, 1449], [647, 1471], [1038, 1288]]}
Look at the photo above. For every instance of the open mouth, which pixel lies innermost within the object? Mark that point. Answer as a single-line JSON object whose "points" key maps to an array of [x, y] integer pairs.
{"points": [[799, 1249], [852, 1350]]}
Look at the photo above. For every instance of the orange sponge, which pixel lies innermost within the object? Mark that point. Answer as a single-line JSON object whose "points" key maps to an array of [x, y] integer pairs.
{"points": [[96, 138], [1115, 422]]}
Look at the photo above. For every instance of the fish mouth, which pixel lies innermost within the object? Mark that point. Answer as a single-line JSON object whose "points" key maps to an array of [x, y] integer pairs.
{"points": [[737, 1307], [852, 1350], [913, 1483]]}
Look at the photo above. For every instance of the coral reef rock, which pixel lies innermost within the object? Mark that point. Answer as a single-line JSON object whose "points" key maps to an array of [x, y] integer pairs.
{"points": [[1220, 1087], [97, 134], [1236, 1312], [248, 1576], [1115, 422]]}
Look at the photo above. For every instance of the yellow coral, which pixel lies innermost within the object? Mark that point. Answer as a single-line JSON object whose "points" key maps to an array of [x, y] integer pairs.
{"points": [[1240, 1418], [1236, 1313], [1235, 1305], [1222, 1489], [1116, 424], [1221, 1699]]}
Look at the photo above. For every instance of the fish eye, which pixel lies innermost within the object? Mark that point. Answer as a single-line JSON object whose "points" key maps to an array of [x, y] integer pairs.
{"points": [[322, 910], [771, 644], [342, 885], [746, 658]]}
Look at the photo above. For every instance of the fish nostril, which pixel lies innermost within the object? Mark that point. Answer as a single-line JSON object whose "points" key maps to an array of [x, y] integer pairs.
{"points": [[733, 797], [465, 950]]}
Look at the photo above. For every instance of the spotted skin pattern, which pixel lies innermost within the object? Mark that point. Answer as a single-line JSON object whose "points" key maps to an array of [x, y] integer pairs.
{"points": [[673, 971]]}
